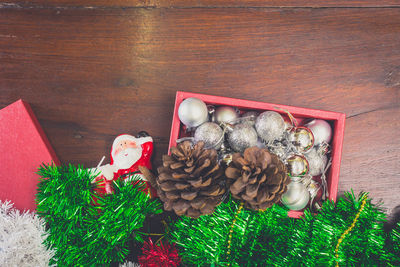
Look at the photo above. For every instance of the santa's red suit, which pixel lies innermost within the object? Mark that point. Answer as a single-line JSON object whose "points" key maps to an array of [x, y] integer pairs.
{"points": [[141, 147]]}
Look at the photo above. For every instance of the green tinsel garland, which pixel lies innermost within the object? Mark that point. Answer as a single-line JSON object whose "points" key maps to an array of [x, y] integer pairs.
{"points": [[85, 234], [270, 238]]}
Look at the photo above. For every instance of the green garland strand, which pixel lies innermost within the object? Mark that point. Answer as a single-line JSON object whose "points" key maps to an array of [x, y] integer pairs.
{"points": [[204, 241], [85, 234], [270, 238]]}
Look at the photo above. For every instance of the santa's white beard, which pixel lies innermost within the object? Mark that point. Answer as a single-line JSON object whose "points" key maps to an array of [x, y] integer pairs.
{"points": [[126, 158]]}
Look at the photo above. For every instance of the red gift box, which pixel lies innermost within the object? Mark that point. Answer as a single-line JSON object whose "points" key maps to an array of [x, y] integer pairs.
{"points": [[23, 148], [337, 120]]}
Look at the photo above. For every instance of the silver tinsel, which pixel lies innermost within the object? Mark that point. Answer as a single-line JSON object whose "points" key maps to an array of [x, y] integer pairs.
{"points": [[242, 136], [211, 134], [21, 238], [270, 126]]}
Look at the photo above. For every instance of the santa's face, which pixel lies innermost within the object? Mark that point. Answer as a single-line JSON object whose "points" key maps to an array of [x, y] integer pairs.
{"points": [[126, 153]]}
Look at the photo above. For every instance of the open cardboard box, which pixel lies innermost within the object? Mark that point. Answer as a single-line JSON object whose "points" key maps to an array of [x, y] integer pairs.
{"points": [[337, 121]]}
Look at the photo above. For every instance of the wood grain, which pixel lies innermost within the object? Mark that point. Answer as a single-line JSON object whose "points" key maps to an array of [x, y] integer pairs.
{"points": [[202, 3], [91, 74]]}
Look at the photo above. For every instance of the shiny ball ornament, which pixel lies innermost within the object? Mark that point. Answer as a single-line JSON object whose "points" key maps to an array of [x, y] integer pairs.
{"points": [[321, 130], [316, 161], [241, 137], [302, 138], [249, 118], [193, 112], [296, 196], [297, 165], [225, 115], [211, 134], [270, 126]]}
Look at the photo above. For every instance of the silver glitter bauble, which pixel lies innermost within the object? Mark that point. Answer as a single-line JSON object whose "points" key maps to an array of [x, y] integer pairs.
{"points": [[249, 118], [296, 196], [241, 137], [270, 126], [297, 165], [316, 161], [321, 130], [211, 134], [302, 138], [193, 112], [226, 115]]}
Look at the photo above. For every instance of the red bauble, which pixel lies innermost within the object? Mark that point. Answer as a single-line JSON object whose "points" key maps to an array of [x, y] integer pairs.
{"points": [[163, 255]]}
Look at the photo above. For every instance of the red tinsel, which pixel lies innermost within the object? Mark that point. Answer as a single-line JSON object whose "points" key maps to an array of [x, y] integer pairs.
{"points": [[163, 255]]}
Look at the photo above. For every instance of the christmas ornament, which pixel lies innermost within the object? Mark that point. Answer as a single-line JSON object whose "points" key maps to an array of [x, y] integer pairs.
{"points": [[258, 178], [21, 238], [193, 112], [211, 134], [297, 165], [84, 234], [321, 130], [242, 136], [225, 114], [302, 139], [316, 161], [270, 126], [249, 117], [296, 197], [191, 181], [127, 154], [162, 255]]}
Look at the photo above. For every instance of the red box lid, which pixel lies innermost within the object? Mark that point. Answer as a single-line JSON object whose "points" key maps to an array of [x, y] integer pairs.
{"points": [[23, 148]]}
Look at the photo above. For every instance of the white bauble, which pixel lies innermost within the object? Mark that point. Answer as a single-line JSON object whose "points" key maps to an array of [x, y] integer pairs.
{"points": [[193, 112]]}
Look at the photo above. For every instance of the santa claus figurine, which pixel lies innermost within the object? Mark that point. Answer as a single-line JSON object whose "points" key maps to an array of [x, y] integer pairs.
{"points": [[128, 154]]}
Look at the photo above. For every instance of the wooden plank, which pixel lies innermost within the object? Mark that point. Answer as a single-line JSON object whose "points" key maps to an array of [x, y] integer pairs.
{"points": [[91, 74], [201, 3]]}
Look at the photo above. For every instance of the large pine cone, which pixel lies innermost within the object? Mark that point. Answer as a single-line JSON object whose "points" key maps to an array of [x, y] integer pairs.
{"points": [[191, 182], [259, 178]]}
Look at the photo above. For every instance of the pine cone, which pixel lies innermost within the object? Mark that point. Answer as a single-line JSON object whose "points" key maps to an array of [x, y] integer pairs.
{"points": [[259, 178], [191, 182]]}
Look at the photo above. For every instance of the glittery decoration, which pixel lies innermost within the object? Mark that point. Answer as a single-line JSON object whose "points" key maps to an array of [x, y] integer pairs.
{"points": [[316, 162], [242, 137], [348, 230], [211, 134], [270, 126], [161, 255], [302, 138], [231, 229], [297, 165]]}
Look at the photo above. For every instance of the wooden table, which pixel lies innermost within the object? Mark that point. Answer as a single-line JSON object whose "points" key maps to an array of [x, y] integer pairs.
{"points": [[94, 69]]}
